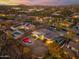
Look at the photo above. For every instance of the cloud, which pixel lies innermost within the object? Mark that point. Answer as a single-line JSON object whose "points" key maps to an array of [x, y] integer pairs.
{"points": [[40, 2], [26, 2], [7, 2], [47, 2]]}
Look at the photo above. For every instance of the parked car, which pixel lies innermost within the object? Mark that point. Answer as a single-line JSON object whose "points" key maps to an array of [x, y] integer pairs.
{"points": [[26, 41], [60, 40], [17, 34], [13, 28]]}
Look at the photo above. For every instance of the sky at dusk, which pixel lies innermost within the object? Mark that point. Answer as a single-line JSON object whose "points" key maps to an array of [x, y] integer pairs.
{"points": [[39, 2]]}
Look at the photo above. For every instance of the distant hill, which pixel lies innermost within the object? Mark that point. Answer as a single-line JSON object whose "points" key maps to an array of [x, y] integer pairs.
{"points": [[24, 6]]}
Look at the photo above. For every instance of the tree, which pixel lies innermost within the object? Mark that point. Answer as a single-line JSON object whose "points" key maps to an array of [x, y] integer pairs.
{"points": [[66, 12]]}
